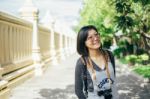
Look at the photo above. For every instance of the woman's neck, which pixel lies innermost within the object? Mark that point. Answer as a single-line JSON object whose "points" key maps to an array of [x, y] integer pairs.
{"points": [[94, 53]]}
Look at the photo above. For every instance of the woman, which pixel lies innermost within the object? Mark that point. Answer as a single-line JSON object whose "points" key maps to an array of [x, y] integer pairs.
{"points": [[95, 69]]}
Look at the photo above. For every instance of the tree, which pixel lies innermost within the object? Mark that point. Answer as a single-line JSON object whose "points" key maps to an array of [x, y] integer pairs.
{"points": [[100, 14], [133, 18]]}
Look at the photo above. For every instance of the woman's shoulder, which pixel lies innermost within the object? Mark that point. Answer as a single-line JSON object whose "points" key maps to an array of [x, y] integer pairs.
{"points": [[79, 61], [79, 65]]}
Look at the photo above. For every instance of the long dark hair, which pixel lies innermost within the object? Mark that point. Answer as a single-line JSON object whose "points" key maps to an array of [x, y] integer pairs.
{"points": [[82, 37]]}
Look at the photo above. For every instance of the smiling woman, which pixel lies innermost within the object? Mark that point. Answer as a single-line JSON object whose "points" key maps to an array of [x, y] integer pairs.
{"points": [[95, 69]]}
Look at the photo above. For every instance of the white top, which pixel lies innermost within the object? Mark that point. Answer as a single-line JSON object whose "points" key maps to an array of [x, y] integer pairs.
{"points": [[102, 83]]}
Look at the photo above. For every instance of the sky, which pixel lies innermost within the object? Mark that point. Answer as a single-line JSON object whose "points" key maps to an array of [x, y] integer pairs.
{"points": [[64, 10]]}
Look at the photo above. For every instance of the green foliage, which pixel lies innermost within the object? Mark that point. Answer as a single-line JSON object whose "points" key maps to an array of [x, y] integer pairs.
{"points": [[99, 13], [144, 57], [143, 70], [123, 60], [122, 6], [124, 22], [135, 36], [137, 58], [132, 17], [124, 48], [119, 52], [107, 44], [143, 2], [131, 58]]}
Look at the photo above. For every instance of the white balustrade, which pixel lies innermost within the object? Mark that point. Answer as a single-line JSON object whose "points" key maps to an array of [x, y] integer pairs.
{"points": [[27, 46]]}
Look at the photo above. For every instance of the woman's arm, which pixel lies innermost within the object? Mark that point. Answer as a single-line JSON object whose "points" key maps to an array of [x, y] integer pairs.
{"points": [[79, 80]]}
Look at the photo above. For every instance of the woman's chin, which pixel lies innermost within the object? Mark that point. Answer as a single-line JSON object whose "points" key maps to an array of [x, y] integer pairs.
{"points": [[96, 47]]}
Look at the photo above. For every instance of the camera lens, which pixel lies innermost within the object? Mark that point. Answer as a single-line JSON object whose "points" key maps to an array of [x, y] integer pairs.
{"points": [[100, 93], [106, 93], [108, 96]]}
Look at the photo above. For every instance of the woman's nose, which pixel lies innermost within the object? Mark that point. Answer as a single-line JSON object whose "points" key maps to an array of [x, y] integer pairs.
{"points": [[95, 38]]}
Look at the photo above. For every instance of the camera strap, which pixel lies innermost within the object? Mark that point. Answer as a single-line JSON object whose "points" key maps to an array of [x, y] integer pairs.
{"points": [[107, 72], [107, 69], [107, 56], [89, 62]]}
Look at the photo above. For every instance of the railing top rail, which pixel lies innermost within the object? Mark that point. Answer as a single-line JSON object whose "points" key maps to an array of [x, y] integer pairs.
{"points": [[13, 19]]}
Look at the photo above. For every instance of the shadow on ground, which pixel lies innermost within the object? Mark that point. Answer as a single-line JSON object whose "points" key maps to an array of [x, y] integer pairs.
{"points": [[130, 88], [67, 93]]}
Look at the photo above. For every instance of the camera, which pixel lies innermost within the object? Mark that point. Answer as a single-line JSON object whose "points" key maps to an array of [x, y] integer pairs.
{"points": [[106, 93]]}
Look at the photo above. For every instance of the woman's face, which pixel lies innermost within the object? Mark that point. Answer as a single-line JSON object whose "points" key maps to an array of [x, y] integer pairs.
{"points": [[93, 40]]}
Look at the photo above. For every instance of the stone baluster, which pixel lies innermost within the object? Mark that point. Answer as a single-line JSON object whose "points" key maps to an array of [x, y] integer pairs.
{"points": [[61, 50], [30, 12], [49, 22]]}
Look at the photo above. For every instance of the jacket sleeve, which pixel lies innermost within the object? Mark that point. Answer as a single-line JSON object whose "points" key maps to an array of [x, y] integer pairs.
{"points": [[79, 80]]}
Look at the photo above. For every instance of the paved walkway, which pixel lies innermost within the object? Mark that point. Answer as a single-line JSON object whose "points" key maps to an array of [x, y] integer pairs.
{"points": [[58, 83], [130, 86]]}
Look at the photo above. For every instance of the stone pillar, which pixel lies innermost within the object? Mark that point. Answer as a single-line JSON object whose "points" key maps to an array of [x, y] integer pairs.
{"points": [[67, 45], [75, 44], [70, 45], [62, 29], [61, 52], [49, 22], [30, 12], [52, 46], [36, 55]]}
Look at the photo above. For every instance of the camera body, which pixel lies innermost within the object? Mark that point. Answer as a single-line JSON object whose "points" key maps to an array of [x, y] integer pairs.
{"points": [[106, 93]]}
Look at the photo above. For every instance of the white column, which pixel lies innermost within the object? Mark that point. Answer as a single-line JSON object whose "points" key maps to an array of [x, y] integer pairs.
{"points": [[67, 46], [36, 55], [52, 46], [30, 13], [70, 45], [65, 43], [61, 52], [75, 45], [49, 22]]}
